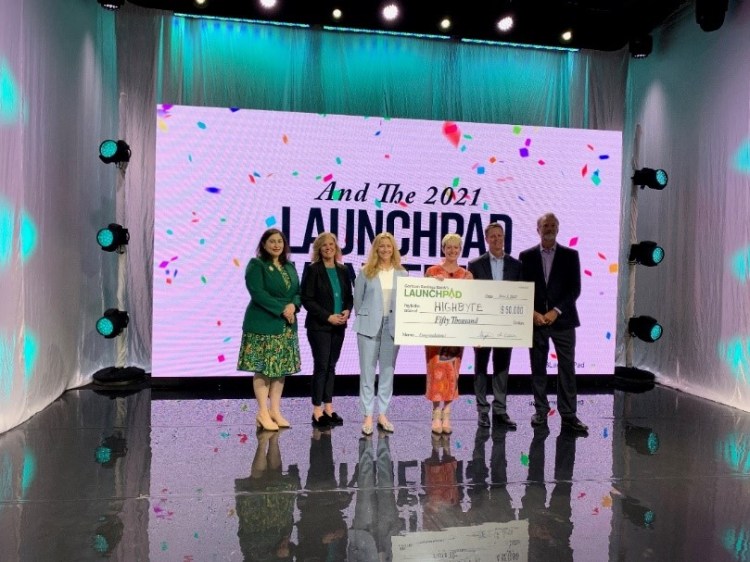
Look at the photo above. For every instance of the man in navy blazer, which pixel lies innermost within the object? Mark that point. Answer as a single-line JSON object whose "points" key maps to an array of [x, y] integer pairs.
{"points": [[494, 264], [556, 273]]}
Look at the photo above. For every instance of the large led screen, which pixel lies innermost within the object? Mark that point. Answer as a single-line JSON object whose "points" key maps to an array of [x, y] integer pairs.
{"points": [[224, 175]]}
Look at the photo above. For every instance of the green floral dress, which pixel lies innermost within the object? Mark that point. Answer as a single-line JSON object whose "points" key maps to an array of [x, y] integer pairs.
{"points": [[273, 356]]}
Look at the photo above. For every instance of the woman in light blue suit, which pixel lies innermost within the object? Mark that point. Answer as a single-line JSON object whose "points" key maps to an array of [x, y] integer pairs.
{"points": [[375, 324]]}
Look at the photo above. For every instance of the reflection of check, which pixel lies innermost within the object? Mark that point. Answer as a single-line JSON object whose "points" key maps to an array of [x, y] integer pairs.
{"points": [[460, 312]]}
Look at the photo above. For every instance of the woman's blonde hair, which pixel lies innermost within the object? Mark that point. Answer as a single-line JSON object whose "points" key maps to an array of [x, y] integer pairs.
{"points": [[451, 237], [318, 244], [371, 267]]}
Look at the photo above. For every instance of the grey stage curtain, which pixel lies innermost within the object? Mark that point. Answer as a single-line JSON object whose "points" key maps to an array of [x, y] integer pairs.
{"points": [[691, 101]]}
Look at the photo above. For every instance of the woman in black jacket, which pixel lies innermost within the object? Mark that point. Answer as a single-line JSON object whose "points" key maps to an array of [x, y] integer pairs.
{"points": [[326, 293]]}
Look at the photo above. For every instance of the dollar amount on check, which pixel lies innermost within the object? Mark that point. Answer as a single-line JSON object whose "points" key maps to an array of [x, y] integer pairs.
{"points": [[460, 312]]}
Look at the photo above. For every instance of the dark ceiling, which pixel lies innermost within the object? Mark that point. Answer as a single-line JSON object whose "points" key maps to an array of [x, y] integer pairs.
{"points": [[604, 25]]}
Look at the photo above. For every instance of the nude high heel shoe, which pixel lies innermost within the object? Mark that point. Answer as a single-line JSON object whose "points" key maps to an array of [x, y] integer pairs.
{"points": [[280, 420], [263, 419]]}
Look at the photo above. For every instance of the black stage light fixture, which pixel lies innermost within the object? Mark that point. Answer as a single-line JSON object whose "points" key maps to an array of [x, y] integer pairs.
{"points": [[112, 323], [113, 238], [111, 4], [655, 179], [645, 328], [641, 46], [710, 13], [646, 253], [114, 151]]}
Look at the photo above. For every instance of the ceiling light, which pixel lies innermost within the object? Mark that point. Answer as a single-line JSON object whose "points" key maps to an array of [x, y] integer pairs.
{"points": [[641, 46], [710, 13], [111, 4], [390, 12], [505, 24]]}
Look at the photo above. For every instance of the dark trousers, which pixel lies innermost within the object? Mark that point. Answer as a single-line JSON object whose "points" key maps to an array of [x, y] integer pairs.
{"points": [[500, 366], [565, 345], [326, 349]]}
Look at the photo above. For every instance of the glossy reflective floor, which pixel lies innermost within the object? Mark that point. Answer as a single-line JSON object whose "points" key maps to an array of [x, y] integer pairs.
{"points": [[662, 476]]}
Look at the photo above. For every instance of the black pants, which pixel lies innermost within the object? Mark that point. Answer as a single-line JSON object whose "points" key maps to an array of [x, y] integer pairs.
{"points": [[500, 366], [326, 349], [565, 343]]}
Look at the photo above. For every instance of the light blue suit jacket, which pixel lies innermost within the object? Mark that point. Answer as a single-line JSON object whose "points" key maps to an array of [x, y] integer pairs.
{"points": [[368, 304]]}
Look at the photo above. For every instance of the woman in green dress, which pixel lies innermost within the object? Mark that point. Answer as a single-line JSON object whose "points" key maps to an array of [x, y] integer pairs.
{"points": [[270, 347]]}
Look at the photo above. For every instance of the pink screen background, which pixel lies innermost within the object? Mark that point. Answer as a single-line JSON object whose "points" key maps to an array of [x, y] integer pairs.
{"points": [[225, 175]]}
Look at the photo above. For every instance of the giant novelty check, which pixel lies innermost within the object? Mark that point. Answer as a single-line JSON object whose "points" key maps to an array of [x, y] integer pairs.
{"points": [[460, 312]]}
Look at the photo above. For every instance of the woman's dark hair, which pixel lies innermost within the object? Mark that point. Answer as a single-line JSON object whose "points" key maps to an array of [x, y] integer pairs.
{"points": [[264, 255]]}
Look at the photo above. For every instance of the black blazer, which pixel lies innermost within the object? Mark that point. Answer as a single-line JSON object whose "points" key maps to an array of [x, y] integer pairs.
{"points": [[563, 287], [317, 295], [480, 268]]}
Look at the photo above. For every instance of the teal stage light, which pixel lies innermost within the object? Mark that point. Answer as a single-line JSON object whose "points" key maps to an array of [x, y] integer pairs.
{"points": [[646, 253], [648, 177], [645, 328], [113, 238], [112, 151], [112, 323]]}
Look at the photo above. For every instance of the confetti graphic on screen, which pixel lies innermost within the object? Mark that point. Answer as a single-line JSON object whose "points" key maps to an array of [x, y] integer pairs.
{"points": [[452, 133], [524, 150]]}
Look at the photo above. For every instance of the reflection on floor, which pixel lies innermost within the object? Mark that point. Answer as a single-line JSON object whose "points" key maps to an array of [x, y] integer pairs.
{"points": [[661, 476]]}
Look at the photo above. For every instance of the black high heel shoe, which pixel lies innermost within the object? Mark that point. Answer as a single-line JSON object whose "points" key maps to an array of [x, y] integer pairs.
{"points": [[333, 418], [321, 422]]}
